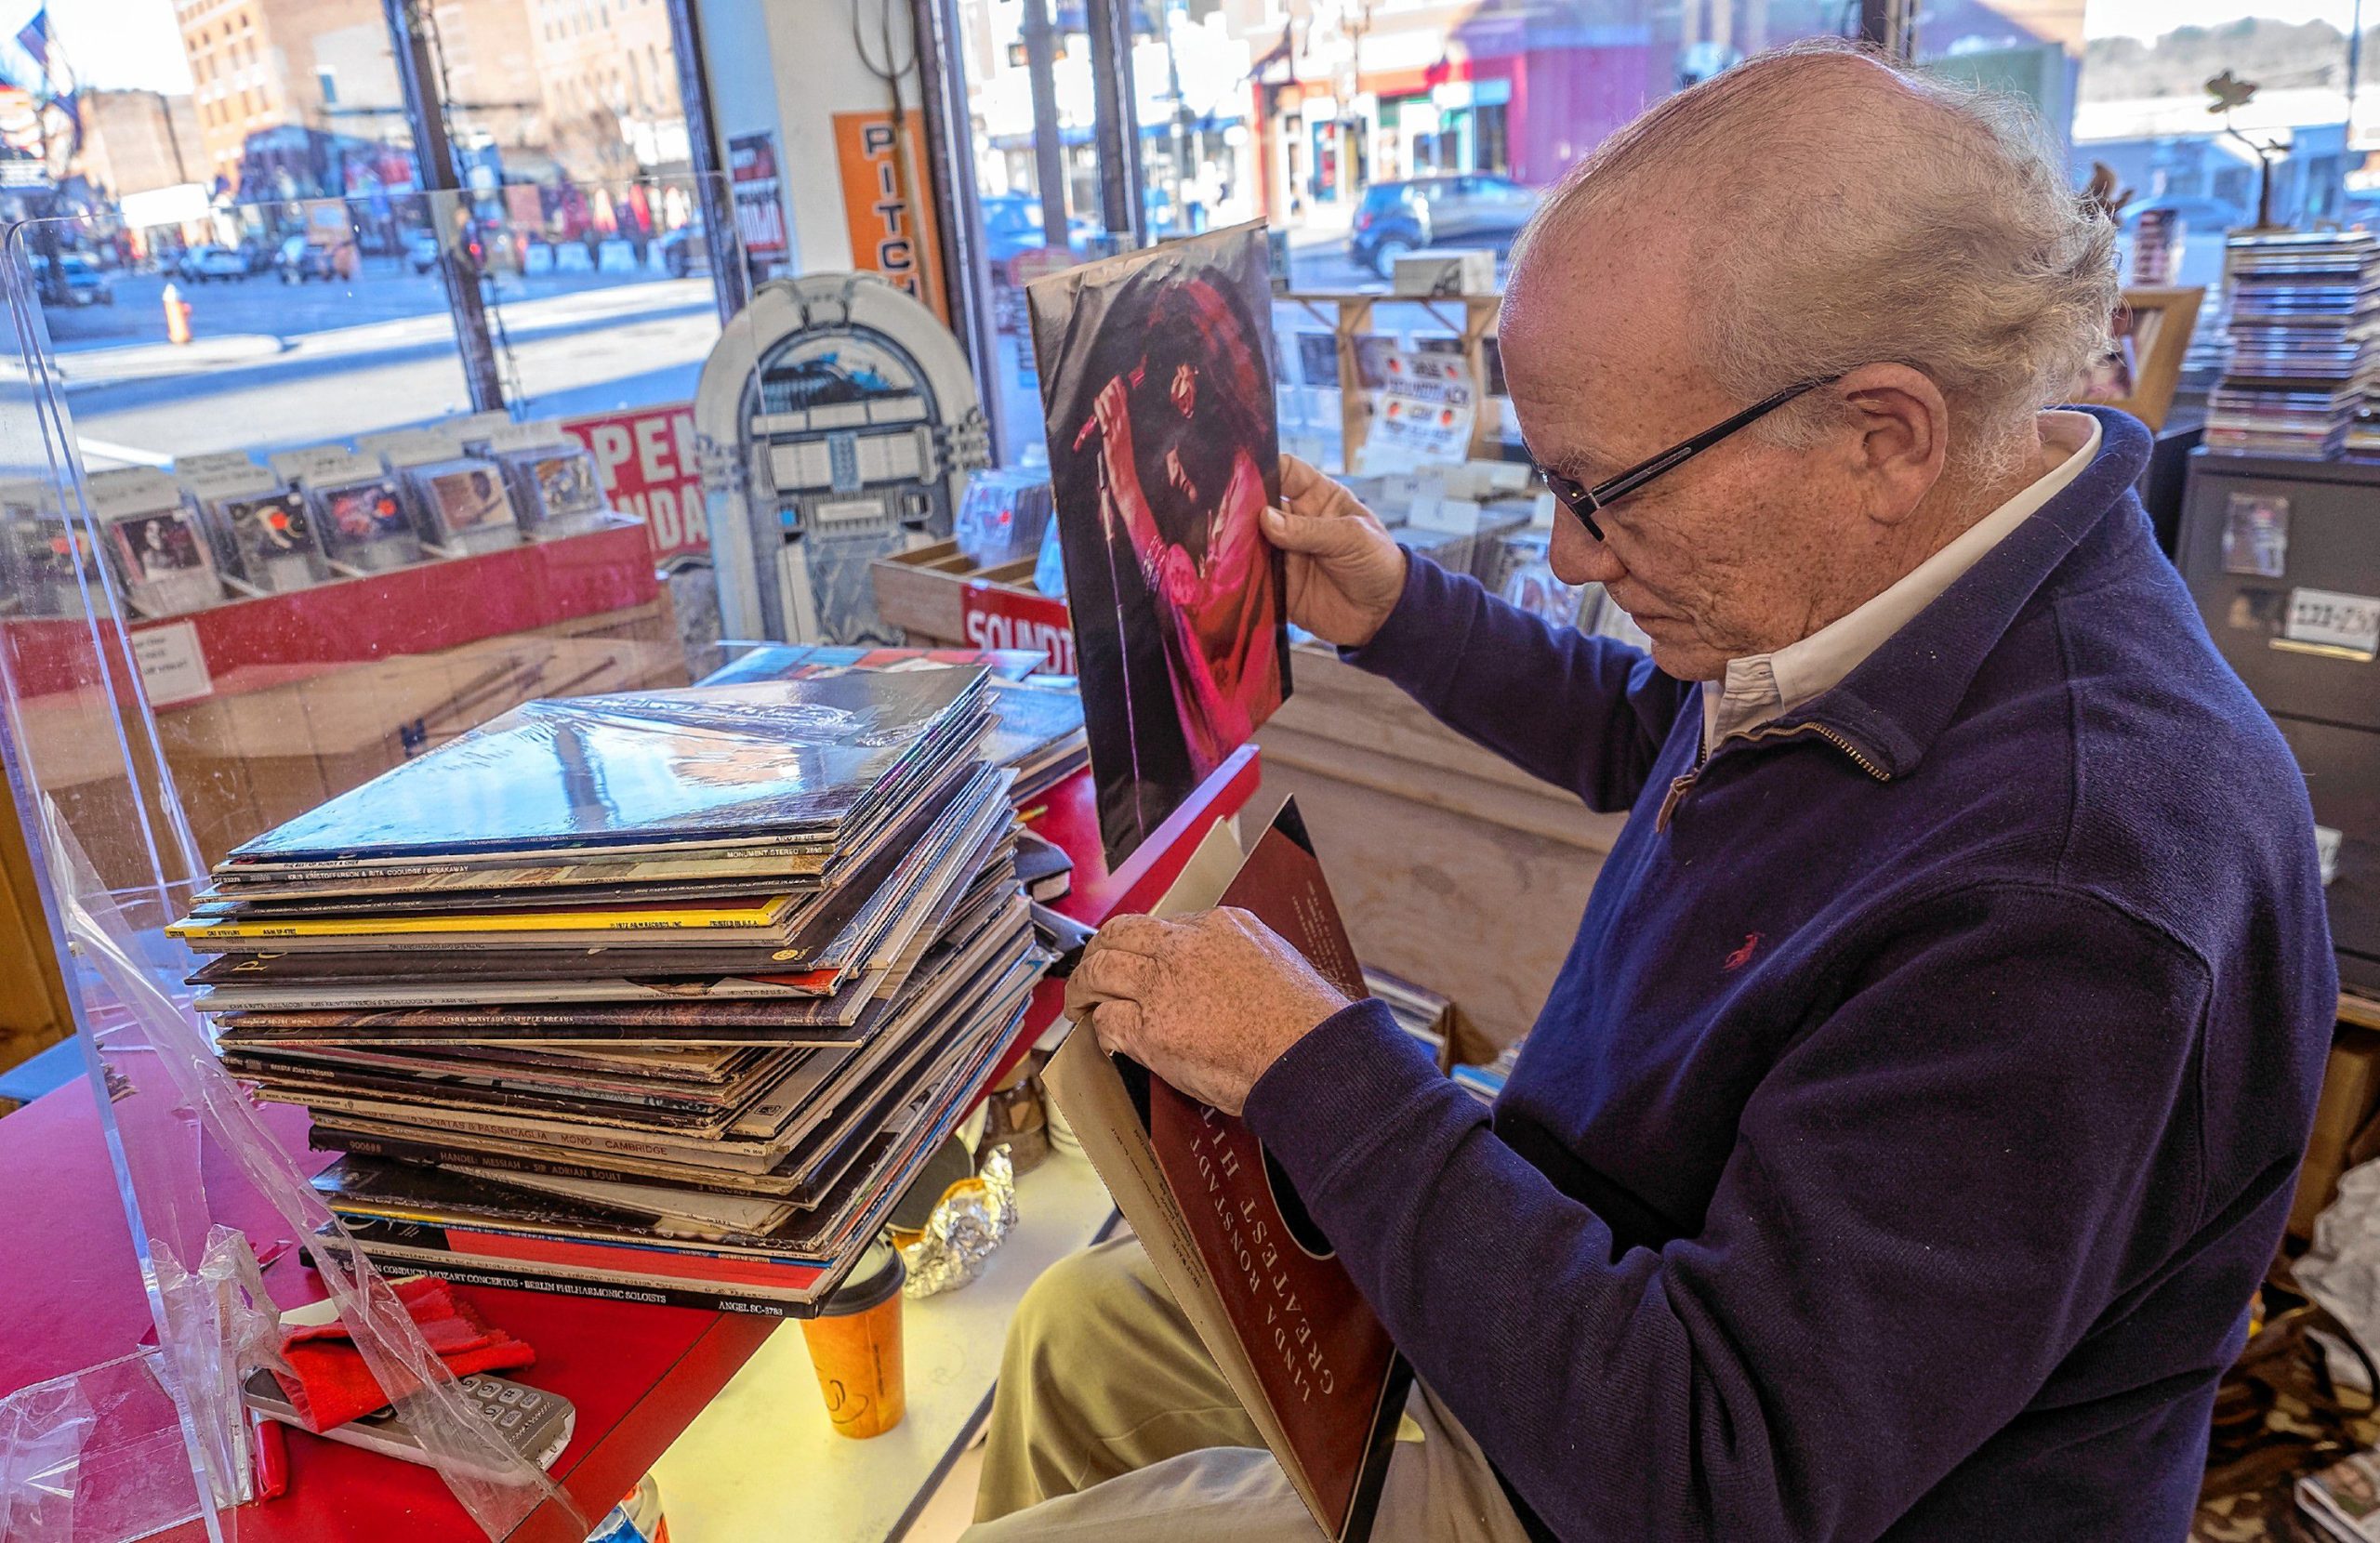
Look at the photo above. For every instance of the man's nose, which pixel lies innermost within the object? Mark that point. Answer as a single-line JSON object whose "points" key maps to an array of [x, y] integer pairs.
{"points": [[1578, 557]]}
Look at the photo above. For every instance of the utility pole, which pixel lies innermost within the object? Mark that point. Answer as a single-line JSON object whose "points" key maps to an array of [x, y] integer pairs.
{"points": [[1891, 25], [1115, 123], [1181, 123], [417, 81], [1048, 149], [2354, 73]]}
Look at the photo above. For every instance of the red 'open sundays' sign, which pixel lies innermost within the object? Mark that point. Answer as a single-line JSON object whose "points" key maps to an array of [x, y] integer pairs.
{"points": [[646, 459]]}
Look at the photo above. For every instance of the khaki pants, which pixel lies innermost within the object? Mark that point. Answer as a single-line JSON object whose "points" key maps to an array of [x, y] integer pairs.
{"points": [[1112, 1422]]}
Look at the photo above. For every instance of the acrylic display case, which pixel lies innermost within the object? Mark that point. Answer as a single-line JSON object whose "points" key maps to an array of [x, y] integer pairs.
{"points": [[198, 642]]}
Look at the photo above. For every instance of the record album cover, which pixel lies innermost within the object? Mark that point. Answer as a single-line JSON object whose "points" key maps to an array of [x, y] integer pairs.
{"points": [[365, 524], [274, 541], [464, 502], [1207, 1199], [159, 548], [556, 484], [690, 765], [1163, 455]]}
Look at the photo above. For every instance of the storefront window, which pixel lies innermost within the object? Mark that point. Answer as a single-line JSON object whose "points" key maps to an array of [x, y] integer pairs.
{"points": [[2143, 108], [1364, 130], [246, 194]]}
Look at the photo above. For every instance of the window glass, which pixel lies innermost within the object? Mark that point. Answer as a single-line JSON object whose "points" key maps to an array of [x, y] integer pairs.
{"points": [[1318, 116], [254, 158], [1010, 163], [1352, 97], [2143, 108]]}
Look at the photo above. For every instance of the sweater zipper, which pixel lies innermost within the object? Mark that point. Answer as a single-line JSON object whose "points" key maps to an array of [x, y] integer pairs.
{"points": [[1679, 786]]}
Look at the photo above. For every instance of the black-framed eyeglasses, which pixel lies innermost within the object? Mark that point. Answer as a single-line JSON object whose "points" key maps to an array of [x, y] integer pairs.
{"points": [[1584, 502]]}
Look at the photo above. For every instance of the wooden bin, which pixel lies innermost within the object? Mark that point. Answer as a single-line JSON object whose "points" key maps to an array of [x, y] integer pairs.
{"points": [[936, 596]]}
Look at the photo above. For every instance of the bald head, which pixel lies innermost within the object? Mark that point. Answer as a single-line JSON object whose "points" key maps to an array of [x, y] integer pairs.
{"points": [[1824, 210], [1811, 218]]}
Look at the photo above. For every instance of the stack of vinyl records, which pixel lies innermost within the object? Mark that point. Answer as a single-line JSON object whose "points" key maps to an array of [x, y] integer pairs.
{"points": [[664, 997], [2304, 311], [1038, 734], [1038, 721]]}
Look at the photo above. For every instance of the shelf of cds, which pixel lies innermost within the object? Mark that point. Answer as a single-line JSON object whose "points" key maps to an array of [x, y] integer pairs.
{"points": [[2304, 317]]}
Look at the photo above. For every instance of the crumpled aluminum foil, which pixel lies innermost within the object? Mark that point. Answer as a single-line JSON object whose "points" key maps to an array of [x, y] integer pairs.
{"points": [[965, 1226]]}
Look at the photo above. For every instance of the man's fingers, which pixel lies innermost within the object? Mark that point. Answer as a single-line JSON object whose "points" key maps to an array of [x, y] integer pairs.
{"points": [[1112, 972], [1080, 999], [1307, 490], [1134, 935], [1117, 1024], [1299, 478], [1323, 535]]}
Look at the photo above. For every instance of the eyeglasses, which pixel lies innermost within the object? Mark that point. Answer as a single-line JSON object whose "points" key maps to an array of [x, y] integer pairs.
{"points": [[1585, 502]]}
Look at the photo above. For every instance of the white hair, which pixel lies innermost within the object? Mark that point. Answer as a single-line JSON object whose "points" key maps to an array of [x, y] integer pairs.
{"points": [[1847, 211]]}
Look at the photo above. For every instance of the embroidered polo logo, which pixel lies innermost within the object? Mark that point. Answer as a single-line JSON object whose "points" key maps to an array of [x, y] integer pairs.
{"points": [[1742, 956]]}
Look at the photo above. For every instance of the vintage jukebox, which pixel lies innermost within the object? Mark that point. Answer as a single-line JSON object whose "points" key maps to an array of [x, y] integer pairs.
{"points": [[836, 422]]}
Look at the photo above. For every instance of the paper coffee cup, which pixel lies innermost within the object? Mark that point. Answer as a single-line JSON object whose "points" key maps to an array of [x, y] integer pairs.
{"points": [[856, 1346]]}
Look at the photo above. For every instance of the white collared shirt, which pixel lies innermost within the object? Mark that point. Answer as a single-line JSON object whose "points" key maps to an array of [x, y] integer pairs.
{"points": [[1763, 686]]}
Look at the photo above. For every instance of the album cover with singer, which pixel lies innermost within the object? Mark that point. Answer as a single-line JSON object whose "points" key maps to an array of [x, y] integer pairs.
{"points": [[1157, 389]]}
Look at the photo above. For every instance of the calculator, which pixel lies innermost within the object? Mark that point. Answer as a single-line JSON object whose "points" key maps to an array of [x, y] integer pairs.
{"points": [[535, 1424]]}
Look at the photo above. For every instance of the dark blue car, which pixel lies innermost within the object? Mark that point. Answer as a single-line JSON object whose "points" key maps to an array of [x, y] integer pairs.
{"points": [[1467, 209]]}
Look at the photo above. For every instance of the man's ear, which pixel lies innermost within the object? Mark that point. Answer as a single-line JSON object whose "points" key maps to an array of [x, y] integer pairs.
{"points": [[1900, 426]]}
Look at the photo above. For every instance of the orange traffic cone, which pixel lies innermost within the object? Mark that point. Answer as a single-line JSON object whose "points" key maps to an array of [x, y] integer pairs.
{"points": [[176, 316]]}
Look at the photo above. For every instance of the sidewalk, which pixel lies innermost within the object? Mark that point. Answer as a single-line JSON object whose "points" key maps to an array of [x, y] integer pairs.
{"points": [[151, 360]]}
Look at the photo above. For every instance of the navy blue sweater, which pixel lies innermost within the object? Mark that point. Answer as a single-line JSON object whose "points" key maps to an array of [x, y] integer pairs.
{"points": [[1919, 1106]]}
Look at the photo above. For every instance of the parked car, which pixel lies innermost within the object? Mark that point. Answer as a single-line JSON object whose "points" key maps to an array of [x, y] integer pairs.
{"points": [[205, 262], [301, 260], [1470, 209], [421, 251], [1013, 224], [686, 250], [85, 286]]}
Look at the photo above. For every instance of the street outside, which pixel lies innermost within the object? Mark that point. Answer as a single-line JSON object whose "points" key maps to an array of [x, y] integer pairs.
{"points": [[1318, 265], [272, 365]]}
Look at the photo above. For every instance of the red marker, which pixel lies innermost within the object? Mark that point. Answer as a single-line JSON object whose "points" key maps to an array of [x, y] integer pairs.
{"points": [[272, 1458]]}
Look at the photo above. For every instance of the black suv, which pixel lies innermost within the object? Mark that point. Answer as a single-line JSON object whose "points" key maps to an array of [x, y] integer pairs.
{"points": [[1467, 209]]}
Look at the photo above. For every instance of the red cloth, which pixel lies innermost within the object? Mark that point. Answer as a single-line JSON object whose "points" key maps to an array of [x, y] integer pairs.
{"points": [[334, 1386]]}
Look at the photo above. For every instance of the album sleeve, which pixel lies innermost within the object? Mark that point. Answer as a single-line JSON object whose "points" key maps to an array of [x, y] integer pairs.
{"points": [[1588, 714]]}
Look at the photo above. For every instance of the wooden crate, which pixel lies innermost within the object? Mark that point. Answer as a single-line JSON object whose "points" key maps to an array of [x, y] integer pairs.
{"points": [[937, 597]]}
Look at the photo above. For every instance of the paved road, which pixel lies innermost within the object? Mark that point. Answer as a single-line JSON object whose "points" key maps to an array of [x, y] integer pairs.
{"points": [[276, 365], [385, 290]]}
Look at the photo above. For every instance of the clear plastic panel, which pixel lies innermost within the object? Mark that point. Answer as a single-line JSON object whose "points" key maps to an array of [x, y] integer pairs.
{"points": [[602, 294], [227, 596]]}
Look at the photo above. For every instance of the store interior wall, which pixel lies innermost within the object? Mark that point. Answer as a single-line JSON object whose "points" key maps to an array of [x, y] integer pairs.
{"points": [[785, 68]]}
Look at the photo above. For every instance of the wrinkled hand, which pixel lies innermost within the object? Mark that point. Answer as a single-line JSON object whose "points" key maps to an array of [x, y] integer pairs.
{"points": [[1345, 574], [1206, 1001]]}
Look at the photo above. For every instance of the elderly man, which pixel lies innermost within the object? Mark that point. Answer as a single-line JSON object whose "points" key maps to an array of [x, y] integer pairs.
{"points": [[1908, 1128]]}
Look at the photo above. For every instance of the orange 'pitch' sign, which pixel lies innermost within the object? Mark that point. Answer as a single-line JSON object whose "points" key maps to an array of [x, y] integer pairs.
{"points": [[887, 205]]}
